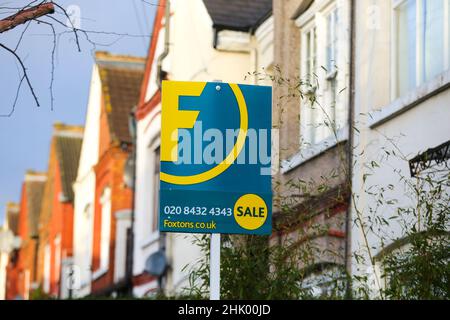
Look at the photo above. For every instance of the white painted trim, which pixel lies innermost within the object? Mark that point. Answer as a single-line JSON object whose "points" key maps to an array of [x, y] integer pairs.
{"points": [[309, 14], [152, 239], [123, 215], [35, 177], [233, 41], [312, 152], [407, 102], [265, 29], [68, 134], [142, 290], [99, 273]]}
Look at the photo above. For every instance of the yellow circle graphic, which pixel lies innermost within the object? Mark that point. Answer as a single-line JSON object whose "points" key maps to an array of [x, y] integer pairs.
{"points": [[231, 157], [250, 211]]}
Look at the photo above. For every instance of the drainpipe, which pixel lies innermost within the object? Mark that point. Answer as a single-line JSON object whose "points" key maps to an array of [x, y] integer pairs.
{"points": [[351, 119], [161, 58], [130, 233]]}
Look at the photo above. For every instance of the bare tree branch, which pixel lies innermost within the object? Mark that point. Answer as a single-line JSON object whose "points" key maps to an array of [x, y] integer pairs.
{"points": [[37, 10], [26, 15]]}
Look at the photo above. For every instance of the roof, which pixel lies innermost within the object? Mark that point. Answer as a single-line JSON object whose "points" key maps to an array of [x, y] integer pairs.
{"points": [[68, 150], [121, 78], [238, 15], [34, 188], [12, 217]]}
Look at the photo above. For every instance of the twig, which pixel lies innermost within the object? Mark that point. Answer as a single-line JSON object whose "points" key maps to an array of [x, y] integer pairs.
{"points": [[15, 100], [71, 23], [25, 74], [53, 62]]}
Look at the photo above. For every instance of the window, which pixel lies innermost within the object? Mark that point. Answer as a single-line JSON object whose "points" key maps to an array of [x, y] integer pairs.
{"points": [[105, 202], [324, 73], [57, 261], [332, 94], [422, 42], [156, 171], [332, 41], [85, 251], [47, 257], [309, 115], [311, 55]]}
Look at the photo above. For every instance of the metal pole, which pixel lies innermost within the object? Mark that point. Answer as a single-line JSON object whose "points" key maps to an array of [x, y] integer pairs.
{"points": [[214, 271]]}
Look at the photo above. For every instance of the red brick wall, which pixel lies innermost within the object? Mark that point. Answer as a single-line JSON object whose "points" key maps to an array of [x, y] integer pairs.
{"points": [[104, 135], [59, 222], [11, 282], [21, 265], [25, 255], [109, 173]]}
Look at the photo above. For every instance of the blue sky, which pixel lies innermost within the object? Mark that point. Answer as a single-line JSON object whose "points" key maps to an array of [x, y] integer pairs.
{"points": [[25, 135]]}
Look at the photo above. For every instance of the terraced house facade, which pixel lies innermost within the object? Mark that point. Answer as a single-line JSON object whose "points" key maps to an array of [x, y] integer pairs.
{"points": [[55, 226], [361, 92], [103, 200]]}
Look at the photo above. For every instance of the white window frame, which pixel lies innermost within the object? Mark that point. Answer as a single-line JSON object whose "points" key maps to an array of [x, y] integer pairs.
{"points": [[152, 236], [27, 284], [420, 77], [306, 112], [57, 260], [105, 229], [123, 223], [334, 38], [47, 264], [313, 129]]}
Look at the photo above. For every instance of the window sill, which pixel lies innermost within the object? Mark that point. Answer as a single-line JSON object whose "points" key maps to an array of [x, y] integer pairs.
{"points": [[410, 100], [99, 273], [312, 152], [153, 238]]}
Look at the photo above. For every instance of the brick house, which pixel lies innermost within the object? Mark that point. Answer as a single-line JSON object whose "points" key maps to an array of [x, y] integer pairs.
{"points": [[22, 264], [8, 252], [8, 231], [206, 37], [312, 43], [56, 217], [103, 200]]}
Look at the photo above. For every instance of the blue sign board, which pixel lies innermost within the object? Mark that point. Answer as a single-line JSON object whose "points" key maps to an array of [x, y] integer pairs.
{"points": [[216, 158]]}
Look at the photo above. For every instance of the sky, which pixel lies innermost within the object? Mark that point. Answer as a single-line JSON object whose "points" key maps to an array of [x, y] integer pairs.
{"points": [[25, 135]]}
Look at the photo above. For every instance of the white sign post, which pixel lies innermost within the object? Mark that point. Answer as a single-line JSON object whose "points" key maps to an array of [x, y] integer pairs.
{"points": [[214, 271]]}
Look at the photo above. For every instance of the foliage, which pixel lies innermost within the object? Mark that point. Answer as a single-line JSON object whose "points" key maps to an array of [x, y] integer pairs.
{"points": [[420, 268]]}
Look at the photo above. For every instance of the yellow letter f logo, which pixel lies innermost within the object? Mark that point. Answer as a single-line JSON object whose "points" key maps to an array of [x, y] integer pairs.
{"points": [[172, 118]]}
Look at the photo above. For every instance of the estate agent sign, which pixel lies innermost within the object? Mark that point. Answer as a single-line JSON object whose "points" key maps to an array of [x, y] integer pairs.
{"points": [[216, 158]]}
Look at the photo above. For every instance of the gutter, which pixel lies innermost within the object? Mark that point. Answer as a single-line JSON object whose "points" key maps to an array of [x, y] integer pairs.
{"points": [[161, 58]]}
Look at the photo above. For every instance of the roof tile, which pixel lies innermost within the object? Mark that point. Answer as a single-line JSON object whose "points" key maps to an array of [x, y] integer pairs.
{"points": [[240, 15]]}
